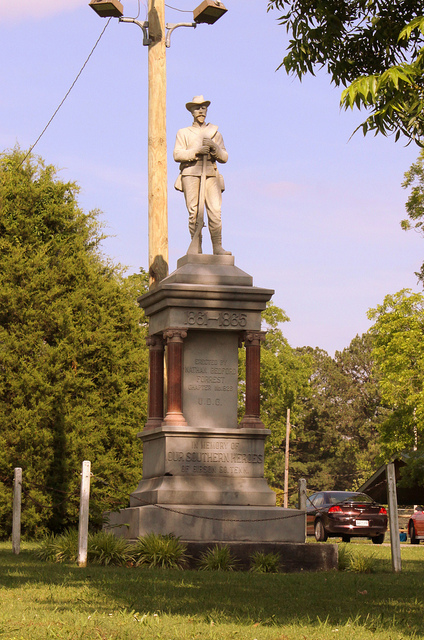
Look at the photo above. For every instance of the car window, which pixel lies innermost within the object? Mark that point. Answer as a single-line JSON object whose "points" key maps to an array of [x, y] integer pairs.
{"points": [[318, 500], [339, 496]]}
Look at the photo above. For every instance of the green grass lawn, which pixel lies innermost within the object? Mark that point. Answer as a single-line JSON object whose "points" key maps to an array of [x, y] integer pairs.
{"points": [[40, 601]]}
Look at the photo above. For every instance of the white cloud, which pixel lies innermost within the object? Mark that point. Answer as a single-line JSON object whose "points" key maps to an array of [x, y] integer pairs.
{"points": [[19, 10]]}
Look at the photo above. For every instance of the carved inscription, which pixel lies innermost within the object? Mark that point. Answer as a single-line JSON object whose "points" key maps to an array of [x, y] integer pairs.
{"points": [[210, 377], [215, 457], [216, 319]]}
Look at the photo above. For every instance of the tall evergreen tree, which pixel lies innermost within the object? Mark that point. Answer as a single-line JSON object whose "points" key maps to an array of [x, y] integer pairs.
{"points": [[72, 352]]}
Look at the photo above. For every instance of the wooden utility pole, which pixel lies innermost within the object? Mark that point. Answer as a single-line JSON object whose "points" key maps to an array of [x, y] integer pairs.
{"points": [[16, 518], [157, 160], [286, 463]]}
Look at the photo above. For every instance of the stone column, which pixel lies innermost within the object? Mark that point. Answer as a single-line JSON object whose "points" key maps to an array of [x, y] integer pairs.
{"points": [[174, 341], [156, 352], [252, 341]]}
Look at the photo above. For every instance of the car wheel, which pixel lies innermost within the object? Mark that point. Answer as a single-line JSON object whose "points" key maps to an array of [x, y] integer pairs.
{"points": [[378, 539], [412, 534], [345, 538], [320, 533]]}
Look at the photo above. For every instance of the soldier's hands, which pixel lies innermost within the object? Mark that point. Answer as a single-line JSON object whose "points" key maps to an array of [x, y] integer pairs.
{"points": [[213, 147], [203, 150], [208, 146]]}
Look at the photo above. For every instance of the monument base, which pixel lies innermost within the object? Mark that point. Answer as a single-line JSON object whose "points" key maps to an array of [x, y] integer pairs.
{"points": [[211, 523]]}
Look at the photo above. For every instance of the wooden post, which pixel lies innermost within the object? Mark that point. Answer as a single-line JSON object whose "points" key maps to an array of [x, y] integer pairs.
{"points": [[302, 498], [393, 518], [16, 518], [157, 160], [286, 462], [302, 494], [84, 514]]}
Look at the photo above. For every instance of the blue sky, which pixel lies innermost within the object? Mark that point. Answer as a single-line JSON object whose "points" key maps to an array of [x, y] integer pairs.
{"points": [[307, 211]]}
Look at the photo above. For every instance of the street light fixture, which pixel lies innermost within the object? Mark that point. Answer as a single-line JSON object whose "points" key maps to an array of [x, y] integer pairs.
{"points": [[107, 8], [208, 12]]}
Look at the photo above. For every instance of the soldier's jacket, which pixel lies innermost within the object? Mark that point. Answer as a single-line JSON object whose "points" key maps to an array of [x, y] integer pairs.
{"points": [[188, 142]]}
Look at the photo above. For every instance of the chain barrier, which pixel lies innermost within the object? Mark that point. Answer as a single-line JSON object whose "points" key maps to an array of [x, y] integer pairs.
{"points": [[113, 500]]}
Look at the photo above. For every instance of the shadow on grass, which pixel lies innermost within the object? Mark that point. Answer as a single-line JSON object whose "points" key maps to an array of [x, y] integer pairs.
{"points": [[374, 601]]}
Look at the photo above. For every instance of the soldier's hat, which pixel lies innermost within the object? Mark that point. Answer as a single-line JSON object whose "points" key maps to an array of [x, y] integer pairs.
{"points": [[196, 102]]}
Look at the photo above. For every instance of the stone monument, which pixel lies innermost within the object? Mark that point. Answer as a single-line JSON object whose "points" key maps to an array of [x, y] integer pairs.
{"points": [[203, 469]]}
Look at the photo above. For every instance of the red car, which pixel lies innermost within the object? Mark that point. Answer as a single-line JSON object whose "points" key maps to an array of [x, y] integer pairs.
{"points": [[345, 514], [416, 526]]}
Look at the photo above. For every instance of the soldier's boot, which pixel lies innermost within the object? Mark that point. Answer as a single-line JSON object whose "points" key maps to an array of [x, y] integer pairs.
{"points": [[217, 245], [199, 246]]}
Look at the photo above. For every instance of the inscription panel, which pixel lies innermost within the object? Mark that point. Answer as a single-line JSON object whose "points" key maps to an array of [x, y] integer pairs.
{"points": [[210, 378], [209, 456]]}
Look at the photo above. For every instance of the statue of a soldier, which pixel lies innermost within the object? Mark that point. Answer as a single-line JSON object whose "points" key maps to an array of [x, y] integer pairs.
{"points": [[198, 148]]}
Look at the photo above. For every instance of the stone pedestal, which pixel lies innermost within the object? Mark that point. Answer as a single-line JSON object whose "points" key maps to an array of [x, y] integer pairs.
{"points": [[203, 471]]}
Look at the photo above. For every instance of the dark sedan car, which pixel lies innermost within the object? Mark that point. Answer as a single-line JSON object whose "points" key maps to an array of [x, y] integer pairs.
{"points": [[331, 514]]}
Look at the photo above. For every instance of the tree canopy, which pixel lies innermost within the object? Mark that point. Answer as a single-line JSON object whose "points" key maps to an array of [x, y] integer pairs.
{"points": [[372, 47], [72, 352], [399, 356], [414, 180]]}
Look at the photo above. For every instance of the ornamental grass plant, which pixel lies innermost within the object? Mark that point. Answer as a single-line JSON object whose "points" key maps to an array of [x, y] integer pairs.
{"points": [[218, 558], [162, 551], [265, 562]]}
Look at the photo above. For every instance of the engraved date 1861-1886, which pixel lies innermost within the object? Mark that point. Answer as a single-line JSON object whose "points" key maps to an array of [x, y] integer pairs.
{"points": [[214, 319]]}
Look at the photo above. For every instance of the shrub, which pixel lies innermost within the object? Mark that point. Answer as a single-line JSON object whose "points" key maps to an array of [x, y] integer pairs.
{"points": [[105, 548], [156, 550], [217, 558], [345, 557], [265, 562], [362, 564], [59, 548], [355, 562]]}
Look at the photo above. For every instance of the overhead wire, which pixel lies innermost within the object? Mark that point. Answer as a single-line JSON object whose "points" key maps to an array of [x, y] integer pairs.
{"points": [[176, 9], [67, 93]]}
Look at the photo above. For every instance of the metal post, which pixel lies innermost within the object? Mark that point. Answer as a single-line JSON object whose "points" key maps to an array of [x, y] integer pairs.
{"points": [[16, 518], [393, 518], [157, 160], [84, 514]]}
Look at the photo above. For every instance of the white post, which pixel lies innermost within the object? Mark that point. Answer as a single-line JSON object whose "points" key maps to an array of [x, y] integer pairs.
{"points": [[302, 497], [84, 514], [286, 463], [16, 518], [393, 518]]}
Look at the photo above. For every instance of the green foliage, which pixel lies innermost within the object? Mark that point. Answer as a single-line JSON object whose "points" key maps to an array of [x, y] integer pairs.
{"points": [[285, 374], [106, 549], [414, 178], [334, 437], [218, 558], [399, 356], [374, 47], [362, 563], [335, 410], [356, 560], [72, 353], [59, 548], [264, 562], [156, 550], [103, 548], [344, 556]]}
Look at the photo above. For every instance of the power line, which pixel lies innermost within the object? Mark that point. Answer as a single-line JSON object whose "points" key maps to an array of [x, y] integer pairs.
{"points": [[175, 9], [67, 93]]}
